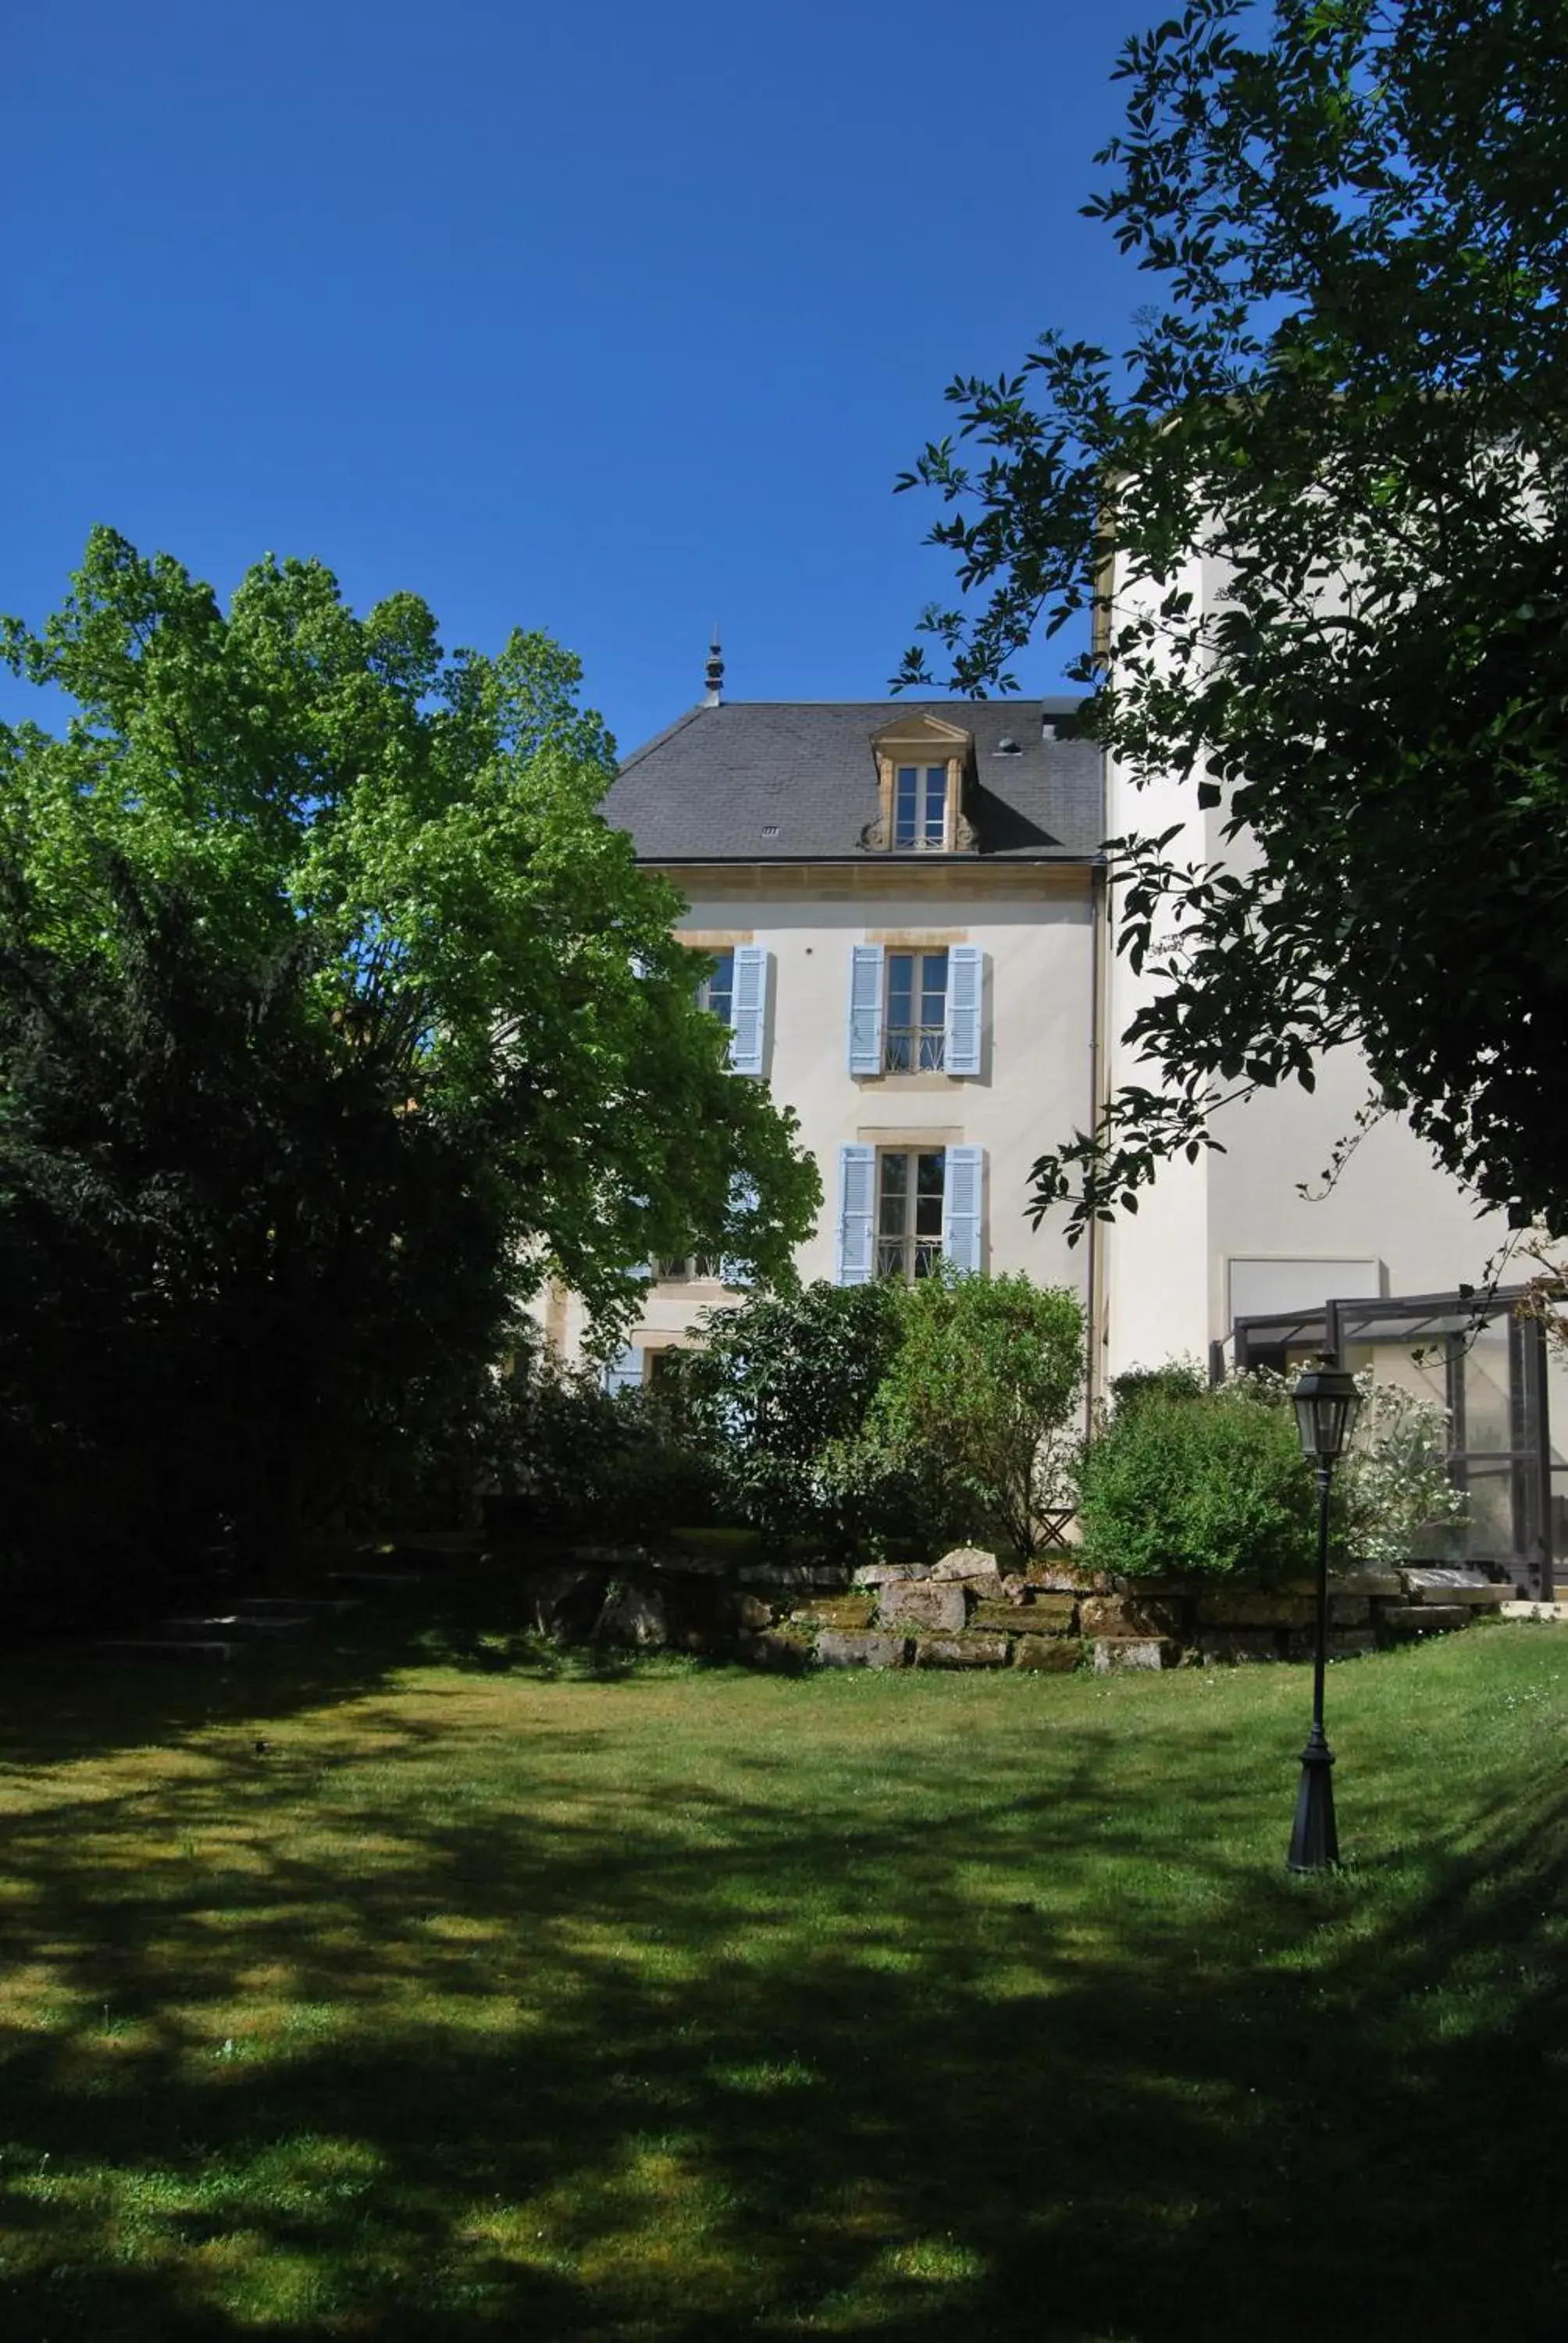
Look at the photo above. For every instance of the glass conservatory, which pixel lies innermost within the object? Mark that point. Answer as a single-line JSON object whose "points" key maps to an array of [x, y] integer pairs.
{"points": [[1500, 1381]]}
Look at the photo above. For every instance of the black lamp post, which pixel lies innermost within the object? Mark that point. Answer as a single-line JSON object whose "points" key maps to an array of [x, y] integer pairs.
{"points": [[1326, 1400]]}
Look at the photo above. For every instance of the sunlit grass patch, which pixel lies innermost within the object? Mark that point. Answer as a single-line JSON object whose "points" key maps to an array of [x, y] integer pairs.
{"points": [[693, 2003]]}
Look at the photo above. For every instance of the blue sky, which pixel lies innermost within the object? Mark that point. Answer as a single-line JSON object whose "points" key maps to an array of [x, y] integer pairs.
{"points": [[610, 319]]}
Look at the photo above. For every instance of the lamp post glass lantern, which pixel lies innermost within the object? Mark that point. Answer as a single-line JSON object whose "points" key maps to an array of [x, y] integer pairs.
{"points": [[1326, 1402]]}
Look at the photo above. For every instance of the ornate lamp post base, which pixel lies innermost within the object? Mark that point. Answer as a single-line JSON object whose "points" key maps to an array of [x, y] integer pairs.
{"points": [[1316, 1842]]}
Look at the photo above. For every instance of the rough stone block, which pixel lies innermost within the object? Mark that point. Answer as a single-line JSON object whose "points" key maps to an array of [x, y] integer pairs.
{"points": [[1034, 1619], [928, 1605], [1053, 1655], [783, 1653], [1048, 1615], [838, 1611], [1132, 1651], [1062, 1578], [968, 1561], [891, 1574], [566, 1602], [1448, 1587], [841, 1648], [1255, 1609], [633, 1615], [1365, 1578], [1350, 1642], [1349, 1610], [960, 1651], [1131, 1615], [752, 1612], [1402, 1620], [793, 1575], [1230, 1646]]}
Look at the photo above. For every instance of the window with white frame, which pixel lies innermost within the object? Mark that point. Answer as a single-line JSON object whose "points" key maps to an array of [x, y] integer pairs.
{"points": [[911, 1184], [915, 1027], [916, 1012], [736, 994], [920, 807], [716, 993], [902, 1210]]}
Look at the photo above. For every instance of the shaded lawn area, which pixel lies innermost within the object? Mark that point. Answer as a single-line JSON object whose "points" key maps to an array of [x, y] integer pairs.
{"points": [[497, 1999]]}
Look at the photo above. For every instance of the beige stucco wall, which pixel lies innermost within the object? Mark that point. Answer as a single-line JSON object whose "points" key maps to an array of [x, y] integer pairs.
{"points": [[1167, 1273], [1034, 926]]}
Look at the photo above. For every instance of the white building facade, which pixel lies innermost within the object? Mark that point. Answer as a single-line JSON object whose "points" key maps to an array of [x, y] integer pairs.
{"points": [[902, 904], [915, 947]]}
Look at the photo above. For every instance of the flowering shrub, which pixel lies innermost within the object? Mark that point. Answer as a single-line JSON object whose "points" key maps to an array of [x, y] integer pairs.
{"points": [[1393, 1486]]}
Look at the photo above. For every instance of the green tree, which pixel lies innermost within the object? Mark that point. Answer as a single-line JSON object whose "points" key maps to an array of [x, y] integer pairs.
{"points": [[1349, 396], [430, 822], [333, 1020], [243, 1281], [984, 1388]]}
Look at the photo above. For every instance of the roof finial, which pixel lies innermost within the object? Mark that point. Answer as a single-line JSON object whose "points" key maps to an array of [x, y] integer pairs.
{"points": [[715, 694]]}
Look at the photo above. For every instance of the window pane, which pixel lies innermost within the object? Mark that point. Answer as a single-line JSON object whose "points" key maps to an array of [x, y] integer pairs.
{"points": [[928, 1183], [936, 803], [905, 814], [901, 986], [718, 994]]}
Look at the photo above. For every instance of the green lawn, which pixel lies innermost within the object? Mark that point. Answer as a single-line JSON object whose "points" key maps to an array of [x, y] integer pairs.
{"points": [[494, 2000]]}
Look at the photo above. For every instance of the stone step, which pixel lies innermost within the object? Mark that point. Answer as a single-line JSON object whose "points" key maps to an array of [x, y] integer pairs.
{"points": [[294, 1606], [211, 1651], [1550, 1614], [374, 1578], [1457, 1586], [235, 1623]]}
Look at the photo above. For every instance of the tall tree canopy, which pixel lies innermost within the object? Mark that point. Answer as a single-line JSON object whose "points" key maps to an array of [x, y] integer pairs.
{"points": [[333, 1020], [1350, 401]]}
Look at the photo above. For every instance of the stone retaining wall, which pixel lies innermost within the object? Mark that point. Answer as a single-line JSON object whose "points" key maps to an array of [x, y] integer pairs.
{"points": [[966, 1612]]}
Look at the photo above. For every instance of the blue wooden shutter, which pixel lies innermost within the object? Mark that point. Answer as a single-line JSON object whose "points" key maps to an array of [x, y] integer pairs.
{"points": [[743, 1202], [963, 1204], [865, 1036], [748, 1009], [624, 1372], [857, 1214], [966, 996]]}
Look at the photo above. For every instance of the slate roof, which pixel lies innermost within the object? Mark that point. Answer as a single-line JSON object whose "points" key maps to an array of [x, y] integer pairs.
{"points": [[796, 781]]}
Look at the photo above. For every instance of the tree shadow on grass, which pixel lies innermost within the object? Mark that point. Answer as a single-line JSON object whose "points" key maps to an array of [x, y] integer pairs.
{"points": [[593, 2051], [83, 1700]]}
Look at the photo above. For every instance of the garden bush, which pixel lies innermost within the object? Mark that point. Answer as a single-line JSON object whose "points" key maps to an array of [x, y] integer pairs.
{"points": [[561, 1455], [1209, 1484], [1175, 1379], [776, 1397], [982, 1396]]}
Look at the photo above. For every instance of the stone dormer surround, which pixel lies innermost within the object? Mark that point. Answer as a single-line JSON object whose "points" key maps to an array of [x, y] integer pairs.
{"points": [[924, 741]]}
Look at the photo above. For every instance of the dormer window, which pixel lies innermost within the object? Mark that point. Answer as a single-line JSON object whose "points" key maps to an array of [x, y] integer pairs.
{"points": [[923, 765], [920, 806]]}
